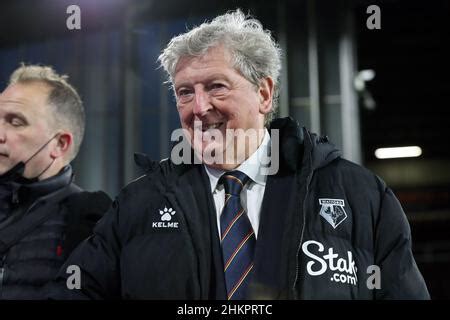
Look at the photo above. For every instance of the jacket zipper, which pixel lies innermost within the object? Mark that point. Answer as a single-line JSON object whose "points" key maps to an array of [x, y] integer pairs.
{"points": [[2, 273], [32, 206], [2, 261], [297, 267]]}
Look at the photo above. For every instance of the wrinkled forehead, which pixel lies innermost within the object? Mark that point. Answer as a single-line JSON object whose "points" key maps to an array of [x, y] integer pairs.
{"points": [[27, 95], [217, 55]]}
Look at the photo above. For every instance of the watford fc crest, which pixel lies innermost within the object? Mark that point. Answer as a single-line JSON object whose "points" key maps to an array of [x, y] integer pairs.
{"points": [[333, 211]]}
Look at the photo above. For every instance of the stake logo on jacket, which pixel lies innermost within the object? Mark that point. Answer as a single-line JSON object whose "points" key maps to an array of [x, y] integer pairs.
{"points": [[344, 268]]}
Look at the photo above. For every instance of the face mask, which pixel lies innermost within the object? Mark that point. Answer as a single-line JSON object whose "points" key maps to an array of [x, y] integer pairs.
{"points": [[15, 174]]}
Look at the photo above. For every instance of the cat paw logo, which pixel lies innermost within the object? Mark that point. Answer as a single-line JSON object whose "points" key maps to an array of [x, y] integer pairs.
{"points": [[166, 214], [333, 211], [166, 217]]}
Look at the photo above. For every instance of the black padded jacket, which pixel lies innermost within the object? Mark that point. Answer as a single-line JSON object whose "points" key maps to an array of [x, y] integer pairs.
{"points": [[329, 229], [47, 221]]}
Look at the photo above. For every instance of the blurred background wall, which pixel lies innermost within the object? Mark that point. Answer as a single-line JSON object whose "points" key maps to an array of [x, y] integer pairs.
{"points": [[364, 88]]}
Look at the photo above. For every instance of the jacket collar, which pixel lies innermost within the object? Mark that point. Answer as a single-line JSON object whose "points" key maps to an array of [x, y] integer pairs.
{"points": [[298, 145], [43, 187], [290, 142]]}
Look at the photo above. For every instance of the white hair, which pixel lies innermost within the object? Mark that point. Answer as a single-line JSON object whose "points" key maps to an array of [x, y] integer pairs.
{"points": [[254, 52]]}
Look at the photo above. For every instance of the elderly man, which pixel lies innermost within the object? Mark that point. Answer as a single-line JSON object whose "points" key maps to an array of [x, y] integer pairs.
{"points": [[221, 222], [43, 214]]}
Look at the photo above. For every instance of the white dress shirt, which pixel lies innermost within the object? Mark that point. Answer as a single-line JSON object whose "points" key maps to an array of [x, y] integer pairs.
{"points": [[253, 192]]}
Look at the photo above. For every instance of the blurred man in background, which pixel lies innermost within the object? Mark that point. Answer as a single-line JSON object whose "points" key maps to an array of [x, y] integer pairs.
{"points": [[43, 214], [228, 227]]}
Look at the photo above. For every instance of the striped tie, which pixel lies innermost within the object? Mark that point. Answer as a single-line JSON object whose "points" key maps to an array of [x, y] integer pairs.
{"points": [[237, 237]]}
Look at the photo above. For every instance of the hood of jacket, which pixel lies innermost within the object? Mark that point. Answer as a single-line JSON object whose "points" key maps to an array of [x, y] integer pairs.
{"points": [[299, 146]]}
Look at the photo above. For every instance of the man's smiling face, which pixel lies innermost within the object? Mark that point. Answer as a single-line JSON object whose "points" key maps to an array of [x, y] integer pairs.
{"points": [[210, 90]]}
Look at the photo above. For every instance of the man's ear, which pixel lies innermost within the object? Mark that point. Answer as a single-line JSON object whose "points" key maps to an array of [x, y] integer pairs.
{"points": [[63, 145], [265, 90]]}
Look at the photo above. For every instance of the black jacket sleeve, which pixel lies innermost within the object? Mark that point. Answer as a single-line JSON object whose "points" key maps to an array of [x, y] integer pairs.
{"points": [[85, 210], [400, 276], [98, 261]]}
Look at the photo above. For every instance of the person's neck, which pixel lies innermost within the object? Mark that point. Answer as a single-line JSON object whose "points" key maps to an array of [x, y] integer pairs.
{"points": [[52, 170]]}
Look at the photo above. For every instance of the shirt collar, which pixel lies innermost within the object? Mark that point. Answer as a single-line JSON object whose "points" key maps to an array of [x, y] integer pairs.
{"points": [[251, 167]]}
